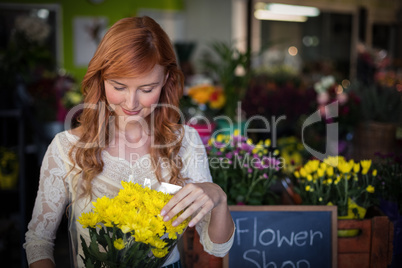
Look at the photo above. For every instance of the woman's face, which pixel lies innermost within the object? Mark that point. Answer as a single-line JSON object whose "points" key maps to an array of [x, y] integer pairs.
{"points": [[134, 99]]}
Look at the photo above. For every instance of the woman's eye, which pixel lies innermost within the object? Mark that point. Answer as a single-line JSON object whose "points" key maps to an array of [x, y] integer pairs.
{"points": [[119, 88], [146, 90]]}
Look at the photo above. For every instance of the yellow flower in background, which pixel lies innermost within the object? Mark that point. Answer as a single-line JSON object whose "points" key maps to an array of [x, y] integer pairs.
{"points": [[312, 166], [366, 164], [333, 160], [267, 142], [330, 171], [320, 172], [345, 167], [303, 172], [337, 181], [356, 167], [370, 189]]}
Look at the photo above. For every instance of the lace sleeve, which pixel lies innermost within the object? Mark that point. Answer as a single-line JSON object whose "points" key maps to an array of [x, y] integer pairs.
{"points": [[50, 203], [196, 168]]}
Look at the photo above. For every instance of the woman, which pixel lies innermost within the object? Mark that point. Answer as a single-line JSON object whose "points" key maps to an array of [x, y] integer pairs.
{"points": [[132, 90]]}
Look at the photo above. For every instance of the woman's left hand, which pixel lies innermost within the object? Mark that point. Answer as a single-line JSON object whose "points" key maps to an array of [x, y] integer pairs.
{"points": [[194, 196]]}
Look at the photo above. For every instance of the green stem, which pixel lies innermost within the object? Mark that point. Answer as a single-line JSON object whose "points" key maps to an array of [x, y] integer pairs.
{"points": [[251, 188]]}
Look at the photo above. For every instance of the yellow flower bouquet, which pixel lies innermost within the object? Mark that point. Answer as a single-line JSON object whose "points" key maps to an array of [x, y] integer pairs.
{"points": [[349, 185], [128, 230]]}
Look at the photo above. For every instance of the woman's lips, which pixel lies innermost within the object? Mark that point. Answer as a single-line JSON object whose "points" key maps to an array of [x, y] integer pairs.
{"points": [[128, 112]]}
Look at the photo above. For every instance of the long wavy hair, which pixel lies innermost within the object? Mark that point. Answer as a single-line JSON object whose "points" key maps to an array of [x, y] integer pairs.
{"points": [[131, 47]]}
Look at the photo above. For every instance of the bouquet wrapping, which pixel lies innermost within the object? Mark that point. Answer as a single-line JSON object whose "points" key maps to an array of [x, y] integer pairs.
{"points": [[128, 230]]}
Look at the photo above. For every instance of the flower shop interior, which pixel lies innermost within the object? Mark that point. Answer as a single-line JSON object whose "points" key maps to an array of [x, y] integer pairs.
{"points": [[298, 103]]}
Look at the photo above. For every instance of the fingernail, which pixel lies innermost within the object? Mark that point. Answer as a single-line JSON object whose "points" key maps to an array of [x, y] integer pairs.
{"points": [[163, 213], [174, 224], [166, 218], [191, 224]]}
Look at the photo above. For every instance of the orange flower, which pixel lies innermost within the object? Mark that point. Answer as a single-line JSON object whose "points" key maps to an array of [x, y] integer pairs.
{"points": [[217, 99], [201, 93]]}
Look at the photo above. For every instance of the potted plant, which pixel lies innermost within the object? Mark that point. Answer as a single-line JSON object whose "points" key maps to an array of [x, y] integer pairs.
{"points": [[350, 185], [231, 69], [380, 109], [246, 171]]}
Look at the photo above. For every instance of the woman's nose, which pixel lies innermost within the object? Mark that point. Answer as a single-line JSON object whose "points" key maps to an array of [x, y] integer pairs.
{"points": [[132, 99]]}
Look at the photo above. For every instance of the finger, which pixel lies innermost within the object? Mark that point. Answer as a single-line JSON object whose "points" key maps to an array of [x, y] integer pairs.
{"points": [[208, 206], [174, 201], [180, 200], [204, 203], [182, 205]]}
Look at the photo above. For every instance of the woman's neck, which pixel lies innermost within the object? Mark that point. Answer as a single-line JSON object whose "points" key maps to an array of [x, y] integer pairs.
{"points": [[132, 131]]}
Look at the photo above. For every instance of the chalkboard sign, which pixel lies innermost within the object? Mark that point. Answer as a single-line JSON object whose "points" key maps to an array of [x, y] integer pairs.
{"points": [[284, 237]]}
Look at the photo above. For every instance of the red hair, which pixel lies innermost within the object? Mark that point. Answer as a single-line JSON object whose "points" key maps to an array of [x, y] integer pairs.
{"points": [[131, 47]]}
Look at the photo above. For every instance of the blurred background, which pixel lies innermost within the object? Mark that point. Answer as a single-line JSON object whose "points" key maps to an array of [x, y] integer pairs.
{"points": [[275, 60]]}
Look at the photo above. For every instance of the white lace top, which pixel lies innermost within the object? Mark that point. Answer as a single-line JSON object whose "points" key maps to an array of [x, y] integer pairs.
{"points": [[55, 193]]}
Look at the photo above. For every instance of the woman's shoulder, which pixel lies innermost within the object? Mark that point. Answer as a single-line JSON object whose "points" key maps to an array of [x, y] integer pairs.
{"points": [[191, 139], [67, 138], [77, 132]]}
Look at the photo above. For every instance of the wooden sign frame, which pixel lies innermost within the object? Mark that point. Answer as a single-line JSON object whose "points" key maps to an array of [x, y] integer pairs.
{"points": [[334, 223]]}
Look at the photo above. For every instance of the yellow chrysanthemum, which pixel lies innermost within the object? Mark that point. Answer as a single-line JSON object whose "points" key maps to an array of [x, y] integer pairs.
{"points": [[118, 244], [136, 212], [330, 171], [345, 167], [89, 219], [307, 188], [159, 253], [312, 166], [366, 164], [211, 141], [303, 172], [267, 142], [370, 189], [374, 172], [333, 160], [356, 167], [323, 166], [320, 172]]}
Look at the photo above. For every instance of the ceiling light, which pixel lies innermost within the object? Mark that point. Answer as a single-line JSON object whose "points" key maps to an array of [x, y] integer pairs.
{"points": [[268, 15], [293, 10]]}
